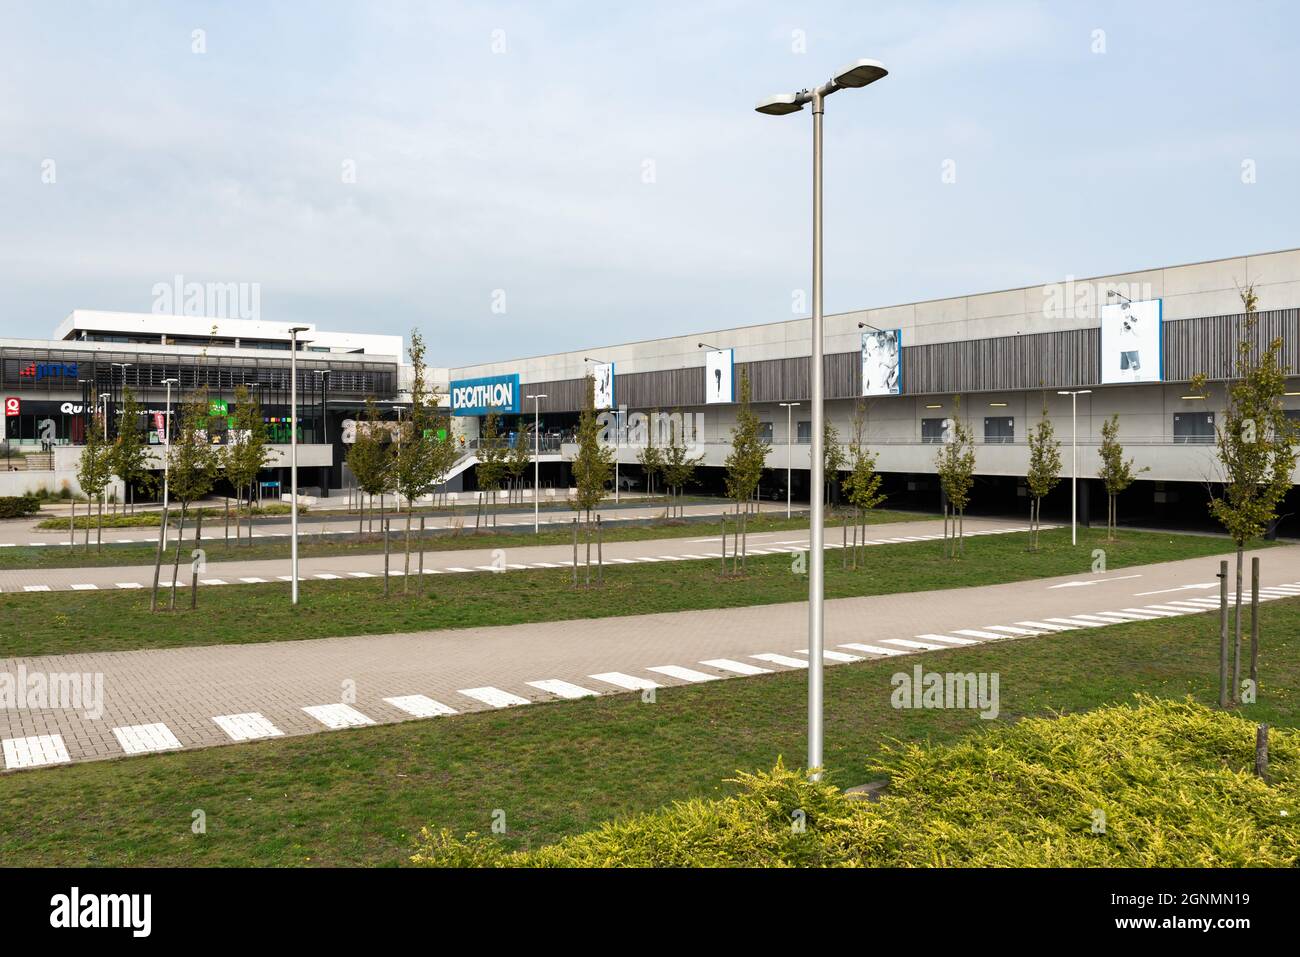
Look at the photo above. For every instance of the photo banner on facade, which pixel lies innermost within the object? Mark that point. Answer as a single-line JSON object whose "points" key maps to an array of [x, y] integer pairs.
{"points": [[603, 373], [882, 362], [1130, 342], [719, 386]]}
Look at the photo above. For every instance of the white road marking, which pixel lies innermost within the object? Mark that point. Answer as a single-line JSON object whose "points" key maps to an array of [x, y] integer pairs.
{"points": [[781, 660], [873, 649], [249, 726], [1013, 631], [34, 751], [976, 633], [684, 674], [361, 574], [739, 667], [326, 576], [36, 588], [493, 696], [253, 581], [84, 587], [630, 682], [144, 738], [834, 656], [338, 716], [908, 643], [1077, 622], [957, 641], [1046, 627], [129, 585], [420, 705], [211, 581], [1166, 591], [563, 689]]}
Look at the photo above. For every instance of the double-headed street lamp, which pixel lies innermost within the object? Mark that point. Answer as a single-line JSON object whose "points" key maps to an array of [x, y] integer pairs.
{"points": [[789, 449], [537, 458], [857, 74], [1074, 460]]}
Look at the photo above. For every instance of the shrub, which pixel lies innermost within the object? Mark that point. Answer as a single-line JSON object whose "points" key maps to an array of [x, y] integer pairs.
{"points": [[17, 506], [1174, 779]]}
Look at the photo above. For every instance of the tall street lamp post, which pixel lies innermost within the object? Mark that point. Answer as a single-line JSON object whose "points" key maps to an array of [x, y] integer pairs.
{"points": [[167, 448], [1074, 460], [789, 450], [293, 457], [858, 74], [537, 458]]}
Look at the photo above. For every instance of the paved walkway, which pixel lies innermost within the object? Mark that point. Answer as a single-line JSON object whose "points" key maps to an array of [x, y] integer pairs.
{"points": [[198, 697], [462, 561]]}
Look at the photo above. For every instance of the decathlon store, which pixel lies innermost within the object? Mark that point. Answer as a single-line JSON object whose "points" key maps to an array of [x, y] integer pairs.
{"points": [[1133, 340]]}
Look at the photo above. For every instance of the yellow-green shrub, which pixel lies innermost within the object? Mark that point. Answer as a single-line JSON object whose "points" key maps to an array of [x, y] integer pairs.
{"points": [[1174, 779]]}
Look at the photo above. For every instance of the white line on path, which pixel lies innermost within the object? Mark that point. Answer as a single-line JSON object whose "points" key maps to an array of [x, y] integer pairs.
{"points": [[739, 667], [563, 689], [338, 716], [420, 705], [873, 649], [630, 682], [143, 738], [781, 660], [249, 726], [683, 674], [493, 696]]}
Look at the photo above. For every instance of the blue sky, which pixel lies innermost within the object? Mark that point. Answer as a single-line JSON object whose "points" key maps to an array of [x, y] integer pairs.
{"points": [[524, 169]]}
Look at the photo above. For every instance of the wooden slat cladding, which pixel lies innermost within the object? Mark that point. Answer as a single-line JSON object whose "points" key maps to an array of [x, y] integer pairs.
{"points": [[781, 380], [663, 389], [1038, 360], [1209, 345]]}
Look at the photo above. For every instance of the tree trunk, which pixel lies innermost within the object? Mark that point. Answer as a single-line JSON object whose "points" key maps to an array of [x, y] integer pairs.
{"points": [[1223, 634], [1254, 624], [406, 567], [99, 527], [176, 561], [157, 563]]}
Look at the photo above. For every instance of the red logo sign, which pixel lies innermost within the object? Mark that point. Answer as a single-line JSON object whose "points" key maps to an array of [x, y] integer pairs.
{"points": [[13, 405]]}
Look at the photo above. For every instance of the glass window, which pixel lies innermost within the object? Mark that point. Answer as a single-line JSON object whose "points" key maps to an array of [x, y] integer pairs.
{"points": [[999, 429], [765, 431], [932, 431], [1193, 427], [803, 432]]}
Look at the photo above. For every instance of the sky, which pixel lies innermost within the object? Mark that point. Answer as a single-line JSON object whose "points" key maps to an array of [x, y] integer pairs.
{"points": [[515, 179]]}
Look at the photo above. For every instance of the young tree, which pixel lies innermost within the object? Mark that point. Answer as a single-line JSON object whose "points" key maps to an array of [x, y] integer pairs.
{"points": [[651, 455], [94, 470], [678, 465], [412, 467], [592, 465], [371, 459], [745, 463], [833, 458], [131, 456], [955, 464], [443, 452], [493, 458], [1257, 453], [517, 459], [192, 467], [1044, 472], [1116, 472], [246, 453], [862, 484]]}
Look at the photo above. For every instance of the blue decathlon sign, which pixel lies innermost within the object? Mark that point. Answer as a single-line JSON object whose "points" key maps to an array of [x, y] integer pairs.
{"points": [[498, 393]]}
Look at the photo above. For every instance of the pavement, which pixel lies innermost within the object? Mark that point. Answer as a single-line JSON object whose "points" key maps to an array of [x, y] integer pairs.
{"points": [[182, 698], [466, 561]]}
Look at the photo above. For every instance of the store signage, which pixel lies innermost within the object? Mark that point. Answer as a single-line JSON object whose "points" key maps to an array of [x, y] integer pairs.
{"points": [[48, 370], [490, 394], [13, 405]]}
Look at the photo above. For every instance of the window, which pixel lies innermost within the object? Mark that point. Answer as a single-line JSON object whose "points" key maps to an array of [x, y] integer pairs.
{"points": [[765, 432], [1193, 427], [999, 430], [932, 431], [803, 433]]}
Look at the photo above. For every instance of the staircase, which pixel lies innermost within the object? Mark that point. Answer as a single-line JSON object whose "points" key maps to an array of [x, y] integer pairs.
{"points": [[38, 462]]}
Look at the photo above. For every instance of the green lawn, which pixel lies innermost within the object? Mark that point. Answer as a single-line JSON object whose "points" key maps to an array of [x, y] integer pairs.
{"points": [[312, 544], [67, 621], [359, 797]]}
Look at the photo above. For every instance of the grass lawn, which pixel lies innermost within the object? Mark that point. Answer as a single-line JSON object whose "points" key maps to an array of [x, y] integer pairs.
{"points": [[314, 545], [60, 622], [359, 797]]}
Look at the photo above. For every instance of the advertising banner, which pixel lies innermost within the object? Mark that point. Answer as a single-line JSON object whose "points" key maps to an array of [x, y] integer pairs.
{"points": [[499, 393], [882, 362], [1130, 342], [718, 383]]}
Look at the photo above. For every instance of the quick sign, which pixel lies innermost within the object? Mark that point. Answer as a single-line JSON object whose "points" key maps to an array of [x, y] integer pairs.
{"points": [[480, 396], [47, 370], [13, 405]]}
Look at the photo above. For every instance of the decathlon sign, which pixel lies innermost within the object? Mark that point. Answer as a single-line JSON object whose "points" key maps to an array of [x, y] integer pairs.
{"points": [[498, 393]]}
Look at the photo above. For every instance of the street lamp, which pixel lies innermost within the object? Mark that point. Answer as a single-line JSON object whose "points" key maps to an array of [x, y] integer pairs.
{"points": [[618, 440], [293, 456], [537, 457], [789, 450], [167, 448], [857, 74], [1074, 460]]}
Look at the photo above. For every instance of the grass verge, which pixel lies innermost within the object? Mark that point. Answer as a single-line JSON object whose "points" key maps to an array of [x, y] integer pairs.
{"points": [[66, 621], [360, 797]]}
